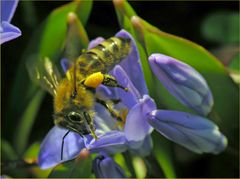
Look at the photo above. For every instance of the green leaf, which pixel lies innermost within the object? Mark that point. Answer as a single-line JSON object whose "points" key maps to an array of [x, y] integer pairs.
{"points": [[54, 33], [123, 9], [31, 155], [221, 27], [81, 167], [7, 151], [32, 151], [234, 64], [27, 119], [234, 68]]}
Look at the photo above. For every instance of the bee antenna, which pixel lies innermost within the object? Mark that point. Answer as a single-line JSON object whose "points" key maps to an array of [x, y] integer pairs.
{"points": [[63, 143], [74, 78]]}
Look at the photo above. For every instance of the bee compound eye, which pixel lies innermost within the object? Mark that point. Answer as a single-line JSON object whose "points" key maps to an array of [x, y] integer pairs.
{"points": [[73, 116]]}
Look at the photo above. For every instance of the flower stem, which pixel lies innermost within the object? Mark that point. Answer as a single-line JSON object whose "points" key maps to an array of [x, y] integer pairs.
{"points": [[128, 159]]}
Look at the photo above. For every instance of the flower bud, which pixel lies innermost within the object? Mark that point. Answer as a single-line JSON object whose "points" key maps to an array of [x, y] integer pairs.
{"points": [[193, 132], [183, 82], [106, 167]]}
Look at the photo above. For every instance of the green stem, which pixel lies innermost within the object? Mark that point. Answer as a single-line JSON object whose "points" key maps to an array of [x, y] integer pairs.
{"points": [[153, 169], [128, 159]]}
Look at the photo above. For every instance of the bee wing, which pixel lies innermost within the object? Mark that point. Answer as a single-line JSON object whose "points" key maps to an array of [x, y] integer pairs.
{"points": [[76, 38], [44, 73]]}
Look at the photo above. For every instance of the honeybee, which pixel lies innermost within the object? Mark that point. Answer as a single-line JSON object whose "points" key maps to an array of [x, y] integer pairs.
{"points": [[74, 95]]}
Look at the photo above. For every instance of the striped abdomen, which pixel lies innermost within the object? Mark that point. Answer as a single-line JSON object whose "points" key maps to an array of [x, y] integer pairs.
{"points": [[104, 56]]}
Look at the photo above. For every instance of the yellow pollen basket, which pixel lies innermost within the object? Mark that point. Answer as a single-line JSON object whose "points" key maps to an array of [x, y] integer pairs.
{"points": [[94, 80]]}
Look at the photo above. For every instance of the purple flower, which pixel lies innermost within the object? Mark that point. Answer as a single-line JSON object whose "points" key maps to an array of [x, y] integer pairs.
{"points": [[112, 137], [193, 132], [106, 167], [8, 31], [183, 82]]}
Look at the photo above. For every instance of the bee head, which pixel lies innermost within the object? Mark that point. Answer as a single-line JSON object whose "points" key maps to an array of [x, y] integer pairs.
{"points": [[76, 121]]}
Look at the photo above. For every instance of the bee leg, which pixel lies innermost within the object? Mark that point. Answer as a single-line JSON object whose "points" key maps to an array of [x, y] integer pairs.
{"points": [[97, 78], [63, 143], [111, 81], [108, 106], [90, 123]]}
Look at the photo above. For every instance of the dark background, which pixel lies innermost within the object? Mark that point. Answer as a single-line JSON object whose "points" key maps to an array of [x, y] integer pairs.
{"points": [[180, 18]]}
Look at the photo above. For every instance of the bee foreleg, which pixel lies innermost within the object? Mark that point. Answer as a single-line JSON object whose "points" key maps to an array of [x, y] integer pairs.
{"points": [[110, 81], [90, 123], [108, 106]]}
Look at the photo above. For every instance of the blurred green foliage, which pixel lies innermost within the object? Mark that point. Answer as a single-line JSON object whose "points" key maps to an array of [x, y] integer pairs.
{"points": [[21, 119], [222, 27]]}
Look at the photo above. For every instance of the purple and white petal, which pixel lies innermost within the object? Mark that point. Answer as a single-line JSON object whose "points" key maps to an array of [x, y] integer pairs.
{"points": [[136, 127], [132, 64], [193, 132], [50, 150]]}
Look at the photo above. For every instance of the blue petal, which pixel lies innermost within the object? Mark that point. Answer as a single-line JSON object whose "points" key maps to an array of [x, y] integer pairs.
{"points": [[65, 64], [183, 82], [106, 167], [129, 98], [137, 127], [106, 92], [95, 42], [146, 147], [103, 120], [50, 150], [8, 8], [132, 65], [193, 132], [8, 32], [110, 142]]}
